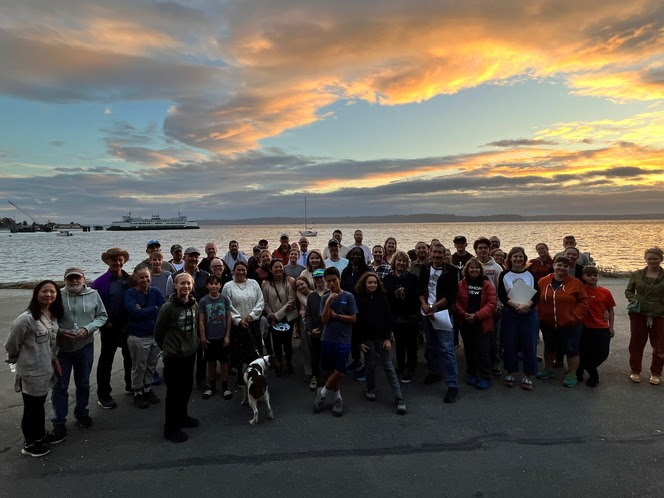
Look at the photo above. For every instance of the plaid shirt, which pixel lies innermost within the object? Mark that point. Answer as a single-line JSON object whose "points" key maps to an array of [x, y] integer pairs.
{"points": [[382, 270]]}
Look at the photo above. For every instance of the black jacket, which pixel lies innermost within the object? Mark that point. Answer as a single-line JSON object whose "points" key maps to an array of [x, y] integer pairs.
{"points": [[447, 286]]}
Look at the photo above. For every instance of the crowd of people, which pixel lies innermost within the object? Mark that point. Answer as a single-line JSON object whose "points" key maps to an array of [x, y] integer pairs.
{"points": [[350, 306]]}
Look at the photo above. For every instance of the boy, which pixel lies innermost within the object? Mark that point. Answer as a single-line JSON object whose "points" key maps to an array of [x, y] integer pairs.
{"points": [[597, 328], [159, 276], [214, 325], [338, 314]]}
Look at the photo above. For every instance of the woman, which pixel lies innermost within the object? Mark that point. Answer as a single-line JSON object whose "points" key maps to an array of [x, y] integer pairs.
{"points": [[576, 270], [498, 256], [32, 346], [373, 327], [246, 308], [176, 334], [475, 306], [262, 271], [401, 291], [302, 292], [315, 262], [519, 324], [541, 265], [645, 293], [389, 248], [279, 297], [142, 303]]}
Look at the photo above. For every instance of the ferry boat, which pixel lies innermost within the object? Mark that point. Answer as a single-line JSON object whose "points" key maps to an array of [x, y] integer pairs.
{"points": [[156, 222]]}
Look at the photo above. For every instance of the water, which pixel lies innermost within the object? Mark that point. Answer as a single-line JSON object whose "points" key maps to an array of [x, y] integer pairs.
{"points": [[35, 256]]}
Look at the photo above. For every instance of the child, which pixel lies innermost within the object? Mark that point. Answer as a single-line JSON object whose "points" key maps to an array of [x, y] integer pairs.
{"points": [[597, 329], [338, 314], [159, 276], [303, 291], [313, 324], [374, 326], [214, 328]]}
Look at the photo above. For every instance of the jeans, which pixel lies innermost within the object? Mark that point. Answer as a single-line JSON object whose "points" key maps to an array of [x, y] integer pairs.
{"points": [[496, 343], [442, 357], [81, 362], [112, 338], [179, 379], [32, 423], [519, 332], [376, 354]]}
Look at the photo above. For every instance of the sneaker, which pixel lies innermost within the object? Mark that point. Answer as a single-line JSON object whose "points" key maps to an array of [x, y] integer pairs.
{"points": [[190, 422], [526, 383], [570, 380], [338, 408], [432, 378], [228, 394], [176, 436], [107, 403], [371, 395], [509, 380], [634, 377], [207, 394], [151, 397], [407, 377], [471, 380], [482, 384], [313, 383], [451, 395], [140, 401], [496, 372], [545, 374], [156, 378], [128, 390], [361, 376], [558, 364], [84, 421], [401, 406], [539, 359], [36, 449], [654, 380], [318, 401], [58, 435]]}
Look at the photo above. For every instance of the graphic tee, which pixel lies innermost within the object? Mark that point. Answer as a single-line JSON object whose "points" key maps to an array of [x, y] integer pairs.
{"points": [[215, 312]]}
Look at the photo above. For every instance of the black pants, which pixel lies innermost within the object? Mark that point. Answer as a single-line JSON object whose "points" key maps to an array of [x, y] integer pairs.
{"points": [[32, 423], [179, 379], [477, 347], [406, 330], [593, 349], [315, 355], [282, 343], [112, 338], [201, 365], [355, 345]]}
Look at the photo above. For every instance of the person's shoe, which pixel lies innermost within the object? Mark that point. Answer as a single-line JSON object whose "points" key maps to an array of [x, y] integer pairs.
{"points": [[151, 397], [156, 378], [338, 408], [558, 364], [140, 401], [313, 383], [36, 449], [360, 376], [539, 359], [58, 435], [496, 372], [579, 375], [371, 395], [128, 390], [634, 377], [178, 436], [592, 381], [407, 377], [84, 421], [401, 406], [482, 384], [228, 394], [471, 380], [509, 380], [318, 401], [207, 394], [544, 374], [107, 403], [354, 366], [654, 380], [451, 395], [526, 383], [570, 380], [190, 423], [432, 378]]}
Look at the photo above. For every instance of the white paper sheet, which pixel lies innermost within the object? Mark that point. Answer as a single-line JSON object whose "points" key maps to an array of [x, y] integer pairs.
{"points": [[521, 292]]}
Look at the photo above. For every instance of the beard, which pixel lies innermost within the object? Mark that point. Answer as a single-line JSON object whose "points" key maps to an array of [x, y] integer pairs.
{"points": [[74, 288]]}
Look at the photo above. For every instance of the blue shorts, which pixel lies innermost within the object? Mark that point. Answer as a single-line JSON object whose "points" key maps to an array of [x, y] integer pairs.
{"points": [[565, 340], [334, 355]]}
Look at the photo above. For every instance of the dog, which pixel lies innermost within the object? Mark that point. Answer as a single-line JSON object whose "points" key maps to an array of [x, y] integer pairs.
{"points": [[255, 385]]}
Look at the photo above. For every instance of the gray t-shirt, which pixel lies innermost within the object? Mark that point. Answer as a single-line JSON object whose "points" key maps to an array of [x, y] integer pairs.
{"points": [[215, 312]]}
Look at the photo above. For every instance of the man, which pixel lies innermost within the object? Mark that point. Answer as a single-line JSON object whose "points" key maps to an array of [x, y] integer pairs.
{"points": [[263, 244], [112, 287], [343, 250], [379, 266], [460, 256], [283, 250], [334, 258], [304, 251], [254, 263], [154, 245], [422, 258], [210, 254], [359, 236], [177, 253], [495, 243], [570, 241], [234, 255], [84, 314], [438, 285], [219, 269]]}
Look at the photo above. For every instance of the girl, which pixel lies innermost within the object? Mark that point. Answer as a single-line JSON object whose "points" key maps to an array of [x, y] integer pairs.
{"points": [[31, 345], [542, 265], [303, 291], [279, 297], [373, 326]]}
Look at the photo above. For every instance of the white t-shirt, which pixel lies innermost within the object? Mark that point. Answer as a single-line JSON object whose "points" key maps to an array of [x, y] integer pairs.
{"points": [[339, 265], [434, 275]]}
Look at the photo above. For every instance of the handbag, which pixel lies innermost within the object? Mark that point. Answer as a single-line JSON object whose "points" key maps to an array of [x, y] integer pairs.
{"points": [[634, 306]]}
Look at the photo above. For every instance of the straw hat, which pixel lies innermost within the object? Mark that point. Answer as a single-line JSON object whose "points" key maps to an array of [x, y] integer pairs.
{"points": [[114, 251]]}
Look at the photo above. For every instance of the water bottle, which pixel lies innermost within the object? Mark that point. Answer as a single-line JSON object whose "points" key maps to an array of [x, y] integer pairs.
{"points": [[12, 368]]}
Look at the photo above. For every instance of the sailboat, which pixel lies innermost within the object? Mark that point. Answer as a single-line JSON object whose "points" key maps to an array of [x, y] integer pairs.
{"points": [[307, 232]]}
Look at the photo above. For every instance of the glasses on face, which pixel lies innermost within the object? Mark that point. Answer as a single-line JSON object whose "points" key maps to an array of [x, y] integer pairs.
{"points": [[73, 277]]}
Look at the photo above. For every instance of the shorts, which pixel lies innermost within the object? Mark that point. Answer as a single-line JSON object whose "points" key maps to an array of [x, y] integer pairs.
{"points": [[216, 351], [334, 356], [565, 340]]}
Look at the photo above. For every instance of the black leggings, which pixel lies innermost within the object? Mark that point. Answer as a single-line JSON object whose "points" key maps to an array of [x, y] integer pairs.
{"points": [[406, 331], [593, 349], [282, 342], [32, 423], [179, 379]]}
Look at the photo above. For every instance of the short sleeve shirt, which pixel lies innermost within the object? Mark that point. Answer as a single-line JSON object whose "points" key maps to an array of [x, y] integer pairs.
{"points": [[336, 330], [215, 312], [600, 300]]}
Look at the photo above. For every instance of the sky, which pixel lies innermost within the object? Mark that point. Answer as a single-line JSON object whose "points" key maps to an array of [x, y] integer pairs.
{"points": [[239, 108]]}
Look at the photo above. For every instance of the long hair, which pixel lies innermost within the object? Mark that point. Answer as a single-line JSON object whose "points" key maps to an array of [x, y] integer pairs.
{"points": [[57, 307], [363, 262], [402, 255], [361, 285], [270, 277], [322, 261]]}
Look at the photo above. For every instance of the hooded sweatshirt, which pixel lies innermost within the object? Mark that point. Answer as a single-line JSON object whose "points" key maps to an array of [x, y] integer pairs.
{"points": [[84, 309], [176, 330], [563, 307]]}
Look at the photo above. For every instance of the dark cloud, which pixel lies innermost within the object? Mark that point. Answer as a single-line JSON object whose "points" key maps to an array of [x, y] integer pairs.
{"points": [[520, 142]]}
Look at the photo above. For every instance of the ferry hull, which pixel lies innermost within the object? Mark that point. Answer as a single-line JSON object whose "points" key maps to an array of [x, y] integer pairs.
{"points": [[131, 229]]}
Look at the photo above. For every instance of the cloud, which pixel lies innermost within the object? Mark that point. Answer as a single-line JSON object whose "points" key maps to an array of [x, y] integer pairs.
{"points": [[57, 143], [521, 142]]}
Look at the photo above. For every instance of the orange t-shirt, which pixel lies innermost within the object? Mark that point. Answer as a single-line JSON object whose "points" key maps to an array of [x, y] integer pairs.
{"points": [[600, 300]]}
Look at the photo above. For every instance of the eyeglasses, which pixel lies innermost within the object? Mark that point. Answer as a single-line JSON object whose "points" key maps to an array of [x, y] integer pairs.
{"points": [[73, 277]]}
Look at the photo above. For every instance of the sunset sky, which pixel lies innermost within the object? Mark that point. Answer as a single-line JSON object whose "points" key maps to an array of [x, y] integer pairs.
{"points": [[237, 108]]}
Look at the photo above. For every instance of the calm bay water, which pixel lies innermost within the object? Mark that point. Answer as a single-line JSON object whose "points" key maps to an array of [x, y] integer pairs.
{"points": [[35, 256]]}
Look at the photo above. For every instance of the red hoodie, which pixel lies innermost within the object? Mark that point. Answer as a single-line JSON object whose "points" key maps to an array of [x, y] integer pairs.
{"points": [[487, 304], [564, 307]]}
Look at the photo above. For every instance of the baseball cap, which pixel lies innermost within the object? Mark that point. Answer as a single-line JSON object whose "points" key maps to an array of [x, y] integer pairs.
{"points": [[333, 242], [459, 238], [318, 273], [176, 247], [284, 236], [192, 250], [153, 243], [74, 270]]}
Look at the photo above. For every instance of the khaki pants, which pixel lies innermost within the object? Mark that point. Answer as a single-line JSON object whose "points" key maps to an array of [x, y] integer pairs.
{"points": [[144, 355]]}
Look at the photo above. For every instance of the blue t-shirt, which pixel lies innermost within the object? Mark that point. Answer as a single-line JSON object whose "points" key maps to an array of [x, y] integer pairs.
{"points": [[215, 312], [336, 330]]}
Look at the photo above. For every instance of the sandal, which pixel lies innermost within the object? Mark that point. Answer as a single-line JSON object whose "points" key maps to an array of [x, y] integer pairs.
{"points": [[526, 383], [509, 380]]}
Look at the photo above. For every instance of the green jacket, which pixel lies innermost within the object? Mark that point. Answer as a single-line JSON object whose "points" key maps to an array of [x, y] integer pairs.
{"points": [[651, 294], [176, 329]]}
